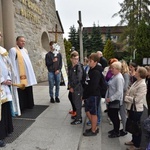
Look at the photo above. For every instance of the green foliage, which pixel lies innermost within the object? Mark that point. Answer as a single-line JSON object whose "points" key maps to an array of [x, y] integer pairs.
{"points": [[68, 47], [108, 34], [74, 38], [142, 41], [132, 12], [86, 44], [91, 43], [108, 51], [96, 40]]}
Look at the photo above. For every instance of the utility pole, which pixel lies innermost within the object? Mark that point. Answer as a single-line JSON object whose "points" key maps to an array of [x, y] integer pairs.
{"points": [[80, 37]]}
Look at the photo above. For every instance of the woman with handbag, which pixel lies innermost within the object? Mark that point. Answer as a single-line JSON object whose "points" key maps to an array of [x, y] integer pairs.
{"points": [[114, 98], [136, 95]]}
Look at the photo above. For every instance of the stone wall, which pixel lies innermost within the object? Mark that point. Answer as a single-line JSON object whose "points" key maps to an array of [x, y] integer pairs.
{"points": [[33, 20]]}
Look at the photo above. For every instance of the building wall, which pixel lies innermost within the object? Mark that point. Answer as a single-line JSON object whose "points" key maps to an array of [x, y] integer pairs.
{"points": [[1, 23], [33, 19]]}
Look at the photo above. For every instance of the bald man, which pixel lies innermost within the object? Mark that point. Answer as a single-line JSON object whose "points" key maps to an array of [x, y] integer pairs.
{"points": [[103, 60]]}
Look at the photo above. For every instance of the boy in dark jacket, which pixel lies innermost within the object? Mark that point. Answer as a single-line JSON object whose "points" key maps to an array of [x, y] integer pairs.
{"points": [[54, 65], [75, 74], [91, 94]]}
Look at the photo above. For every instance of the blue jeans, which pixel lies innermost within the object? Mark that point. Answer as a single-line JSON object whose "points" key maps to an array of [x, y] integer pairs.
{"points": [[54, 79], [99, 112]]}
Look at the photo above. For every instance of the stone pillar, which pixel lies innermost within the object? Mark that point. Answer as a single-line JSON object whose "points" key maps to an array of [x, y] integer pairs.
{"points": [[8, 23], [1, 22]]}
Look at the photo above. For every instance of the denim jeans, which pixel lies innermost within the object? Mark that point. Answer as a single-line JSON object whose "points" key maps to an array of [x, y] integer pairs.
{"points": [[99, 112], [54, 79]]}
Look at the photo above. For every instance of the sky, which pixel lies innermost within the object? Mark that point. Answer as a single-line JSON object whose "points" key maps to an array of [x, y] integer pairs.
{"points": [[99, 12]]}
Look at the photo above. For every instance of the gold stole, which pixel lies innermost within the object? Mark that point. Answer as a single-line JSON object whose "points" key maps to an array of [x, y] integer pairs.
{"points": [[22, 72]]}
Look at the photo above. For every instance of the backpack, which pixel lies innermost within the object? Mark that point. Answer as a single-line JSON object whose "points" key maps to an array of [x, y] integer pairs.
{"points": [[103, 86]]}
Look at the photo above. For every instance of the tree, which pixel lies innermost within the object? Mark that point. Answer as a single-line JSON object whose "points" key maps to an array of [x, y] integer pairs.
{"points": [[86, 44], [108, 51], [96, 40], [108, 34], [73, 38], [68, 47], [131, 13], [142, 41]]}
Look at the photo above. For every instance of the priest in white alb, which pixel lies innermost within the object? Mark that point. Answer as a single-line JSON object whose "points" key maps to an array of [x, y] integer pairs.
{"points": [[25, 74]]}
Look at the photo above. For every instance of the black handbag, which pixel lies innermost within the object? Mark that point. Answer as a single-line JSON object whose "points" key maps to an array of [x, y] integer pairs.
{"points": [[114, 104], [132, 126]]}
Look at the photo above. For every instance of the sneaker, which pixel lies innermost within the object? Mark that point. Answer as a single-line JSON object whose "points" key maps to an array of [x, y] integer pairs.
{"points": [[111, 132], [90, 133], [76, 121], [52, 100], [2, 143], [122, 133], [57, 100], [73, 117], [114, 135], [88, 130]]}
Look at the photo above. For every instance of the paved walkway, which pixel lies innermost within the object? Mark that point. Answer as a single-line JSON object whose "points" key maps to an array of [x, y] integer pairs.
{"points": [[52, 129]]}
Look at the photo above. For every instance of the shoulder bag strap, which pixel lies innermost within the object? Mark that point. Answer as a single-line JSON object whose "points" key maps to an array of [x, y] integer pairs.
{"points": [[133, 106]]}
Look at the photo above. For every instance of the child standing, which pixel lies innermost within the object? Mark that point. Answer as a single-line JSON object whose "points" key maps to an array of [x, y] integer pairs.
{"points": [[91, 94], [75, 74]]}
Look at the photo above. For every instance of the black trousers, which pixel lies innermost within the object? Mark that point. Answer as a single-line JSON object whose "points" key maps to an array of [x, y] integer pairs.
{"points": [[76, 96], [71, 101], [114, 117], [26, 98], [6, 125]]}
